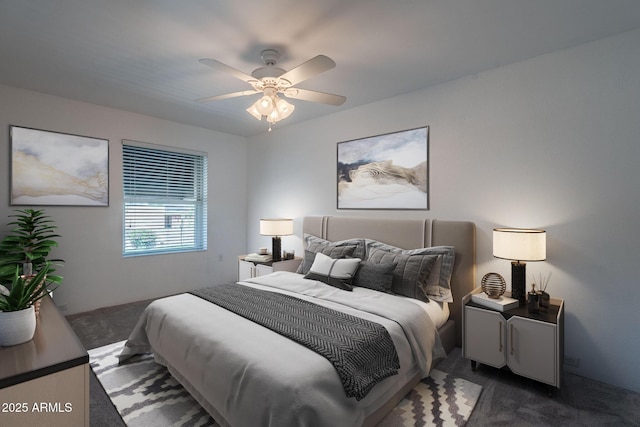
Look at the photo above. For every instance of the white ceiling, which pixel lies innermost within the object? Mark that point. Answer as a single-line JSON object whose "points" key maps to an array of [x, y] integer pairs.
{"points": [[142, 55]]}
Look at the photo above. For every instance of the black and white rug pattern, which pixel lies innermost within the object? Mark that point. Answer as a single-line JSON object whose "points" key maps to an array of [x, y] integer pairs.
{"points": [[145, 394], [438, 400]]}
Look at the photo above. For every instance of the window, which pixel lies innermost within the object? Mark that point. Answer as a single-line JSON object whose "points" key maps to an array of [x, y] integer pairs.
{"points": [[165, 199]]}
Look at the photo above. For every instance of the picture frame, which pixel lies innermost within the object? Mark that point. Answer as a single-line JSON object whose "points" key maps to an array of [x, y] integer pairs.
{"points": [[388, 171], [58, 169]]}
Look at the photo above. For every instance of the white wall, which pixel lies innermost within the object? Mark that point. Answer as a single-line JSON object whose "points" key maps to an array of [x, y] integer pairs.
{"points": [[95, 274], [551, 142]]}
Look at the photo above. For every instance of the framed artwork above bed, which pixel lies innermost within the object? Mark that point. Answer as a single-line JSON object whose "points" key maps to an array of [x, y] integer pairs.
{"points": [[389, 171]]}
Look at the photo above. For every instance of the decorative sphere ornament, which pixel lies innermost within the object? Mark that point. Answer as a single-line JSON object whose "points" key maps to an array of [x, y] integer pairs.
{"points": [[493, 285]]}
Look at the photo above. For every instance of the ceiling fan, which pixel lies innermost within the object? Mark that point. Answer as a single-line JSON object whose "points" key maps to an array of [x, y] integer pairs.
{"points": [[271, 81]]}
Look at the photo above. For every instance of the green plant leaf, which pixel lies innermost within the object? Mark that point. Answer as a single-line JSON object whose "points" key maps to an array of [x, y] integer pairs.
{"points": [[31, 240], [26, 291]]}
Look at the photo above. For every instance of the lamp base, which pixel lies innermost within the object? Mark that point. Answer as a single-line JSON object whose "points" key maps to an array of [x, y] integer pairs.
{"points": [[276, 249], [518, 282]]}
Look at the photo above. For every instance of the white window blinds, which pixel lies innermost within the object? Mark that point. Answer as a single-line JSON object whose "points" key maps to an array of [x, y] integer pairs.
{"points": [[165, 199]]}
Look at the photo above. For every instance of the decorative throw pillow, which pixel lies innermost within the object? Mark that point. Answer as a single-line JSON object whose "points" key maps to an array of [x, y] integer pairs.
{"points": [[410, 274], [378, 277], [335, 252], [438, 286], [315, 244], [335, 272]]}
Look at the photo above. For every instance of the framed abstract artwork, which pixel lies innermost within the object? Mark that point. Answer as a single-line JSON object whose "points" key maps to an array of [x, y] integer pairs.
{"points": [[58, 169], [389, 171]]}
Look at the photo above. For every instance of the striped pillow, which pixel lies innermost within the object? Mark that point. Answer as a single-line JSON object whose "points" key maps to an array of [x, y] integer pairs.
{"points": [[438, 285]]}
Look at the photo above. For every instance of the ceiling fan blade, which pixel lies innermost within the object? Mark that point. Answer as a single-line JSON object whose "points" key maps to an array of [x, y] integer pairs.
{"points": [[314, 96], [312, 67], [228, 95], [227, 69]]}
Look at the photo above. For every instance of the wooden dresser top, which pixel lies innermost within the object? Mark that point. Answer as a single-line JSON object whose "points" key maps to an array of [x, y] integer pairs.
{"points": [[55, 347]]}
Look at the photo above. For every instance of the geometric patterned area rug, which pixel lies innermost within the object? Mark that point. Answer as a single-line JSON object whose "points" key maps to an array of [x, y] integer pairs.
{"points": [[145, 394], [438, 400]]}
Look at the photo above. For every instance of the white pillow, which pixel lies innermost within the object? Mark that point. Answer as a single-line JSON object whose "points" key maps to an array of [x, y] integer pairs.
{"points": [[334, 272]]}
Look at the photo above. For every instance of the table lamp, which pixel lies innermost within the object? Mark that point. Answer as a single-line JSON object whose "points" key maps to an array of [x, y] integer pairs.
{"points": [[276, 227], [517, 245]]}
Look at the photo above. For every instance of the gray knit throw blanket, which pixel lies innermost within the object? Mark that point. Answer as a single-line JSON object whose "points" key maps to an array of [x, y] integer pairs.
{"points": [[361, 351]]}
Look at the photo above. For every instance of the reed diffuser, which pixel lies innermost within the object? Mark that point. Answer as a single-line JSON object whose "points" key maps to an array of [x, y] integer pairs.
{"points": [[542, 291]]}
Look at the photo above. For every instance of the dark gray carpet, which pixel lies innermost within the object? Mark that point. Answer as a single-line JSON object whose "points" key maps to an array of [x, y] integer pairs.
{"points": [[506, 399]]}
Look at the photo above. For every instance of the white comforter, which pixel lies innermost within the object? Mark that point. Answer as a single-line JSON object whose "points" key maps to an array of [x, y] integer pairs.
{"points": [[247, 375]]}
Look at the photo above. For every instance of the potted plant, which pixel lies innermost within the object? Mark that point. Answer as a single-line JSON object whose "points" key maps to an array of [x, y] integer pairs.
{"points": [[17, 312], [28, 245]]}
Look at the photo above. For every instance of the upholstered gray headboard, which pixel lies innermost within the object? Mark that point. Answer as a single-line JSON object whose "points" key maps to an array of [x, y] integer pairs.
{"points": [[411, 234]]}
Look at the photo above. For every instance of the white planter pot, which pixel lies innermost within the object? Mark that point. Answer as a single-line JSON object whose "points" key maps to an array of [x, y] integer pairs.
{"points": [[17, 327]]}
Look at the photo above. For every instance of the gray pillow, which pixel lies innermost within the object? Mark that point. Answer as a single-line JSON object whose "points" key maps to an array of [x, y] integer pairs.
{"points": [[378, 277], [410, 274], [316, 244], [359, 243], [438, 287]]}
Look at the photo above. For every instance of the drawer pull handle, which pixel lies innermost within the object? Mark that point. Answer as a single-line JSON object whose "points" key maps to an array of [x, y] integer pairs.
{"points": [[500, 334], [511, 338]]}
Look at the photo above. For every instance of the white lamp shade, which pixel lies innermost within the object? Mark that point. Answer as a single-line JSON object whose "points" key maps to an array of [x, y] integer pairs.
{"points": [[520, 244], [253, 110], [284, 108], [276, 227], [265, 105], [274, 116]]}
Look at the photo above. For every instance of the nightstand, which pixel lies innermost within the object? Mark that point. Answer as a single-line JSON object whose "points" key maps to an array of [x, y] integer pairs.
{"points": [[529, 344], [249, 269]]}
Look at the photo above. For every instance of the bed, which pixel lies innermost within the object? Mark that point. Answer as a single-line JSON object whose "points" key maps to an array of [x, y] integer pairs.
{"points": [[245, 374]]}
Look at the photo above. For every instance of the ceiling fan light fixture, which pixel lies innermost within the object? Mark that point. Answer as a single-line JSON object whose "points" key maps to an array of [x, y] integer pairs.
{"points": [[271, 80], [265, 105], [253, 110], [274, 116], [272, 107], [284, 108]]}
